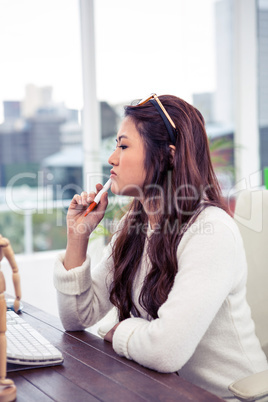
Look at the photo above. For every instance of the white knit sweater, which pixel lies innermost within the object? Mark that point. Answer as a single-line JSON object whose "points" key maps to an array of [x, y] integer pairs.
{"points": [[204, 329]]}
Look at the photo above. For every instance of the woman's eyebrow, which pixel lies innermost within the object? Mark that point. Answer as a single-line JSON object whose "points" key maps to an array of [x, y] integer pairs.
{"points": [[120, 138]]}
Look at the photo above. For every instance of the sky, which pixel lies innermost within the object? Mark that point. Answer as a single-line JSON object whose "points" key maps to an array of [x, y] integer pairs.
{"points": [[142, 46]]}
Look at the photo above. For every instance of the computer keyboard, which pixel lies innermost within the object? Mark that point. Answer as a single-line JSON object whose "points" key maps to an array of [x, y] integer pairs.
{"points": [[26, 346]]}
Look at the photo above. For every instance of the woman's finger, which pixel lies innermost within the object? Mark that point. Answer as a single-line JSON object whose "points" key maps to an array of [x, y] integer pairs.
{"points": [[76, 200], [90, 197]]}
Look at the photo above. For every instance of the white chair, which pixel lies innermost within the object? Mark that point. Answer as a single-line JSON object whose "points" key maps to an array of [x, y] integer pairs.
{"points": [[251, 215]]}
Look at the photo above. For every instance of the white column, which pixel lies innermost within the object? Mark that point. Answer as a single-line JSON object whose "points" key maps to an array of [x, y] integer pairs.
{"points": [[91, 113], [28, 232], [247, 157], [92, 169]]}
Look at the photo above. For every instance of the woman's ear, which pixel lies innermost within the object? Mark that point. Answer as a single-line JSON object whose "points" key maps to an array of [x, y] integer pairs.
{"points": [[172, 152], [166, 159]]}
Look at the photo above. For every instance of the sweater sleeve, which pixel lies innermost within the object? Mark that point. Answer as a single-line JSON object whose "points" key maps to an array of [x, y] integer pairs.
{"points": [[83, 297], [206, 273]]}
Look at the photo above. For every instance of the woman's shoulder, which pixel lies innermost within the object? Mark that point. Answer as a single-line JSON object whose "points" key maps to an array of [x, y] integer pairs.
{"points": [[213, 221], [216, 214], [214, 240]]}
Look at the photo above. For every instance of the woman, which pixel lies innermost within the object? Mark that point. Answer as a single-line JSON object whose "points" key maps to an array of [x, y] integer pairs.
{"points": [[175, 269]]}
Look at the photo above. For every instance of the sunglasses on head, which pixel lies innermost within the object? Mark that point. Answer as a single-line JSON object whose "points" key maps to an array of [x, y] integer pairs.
{"points": [[169, 123]]}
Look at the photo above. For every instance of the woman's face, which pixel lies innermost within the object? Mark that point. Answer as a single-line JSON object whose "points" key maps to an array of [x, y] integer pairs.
{"points": [[128, 173]]}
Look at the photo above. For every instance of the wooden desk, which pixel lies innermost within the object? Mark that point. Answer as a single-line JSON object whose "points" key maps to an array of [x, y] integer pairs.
{"points": [[92, 371]]}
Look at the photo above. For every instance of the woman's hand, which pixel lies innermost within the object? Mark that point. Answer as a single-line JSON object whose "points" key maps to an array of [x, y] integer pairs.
{"points": [[77, 223], [79, 227], [109, 336]]}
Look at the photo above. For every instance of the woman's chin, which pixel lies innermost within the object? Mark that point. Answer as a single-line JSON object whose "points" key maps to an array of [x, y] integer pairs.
{"points": [[115, 189]]}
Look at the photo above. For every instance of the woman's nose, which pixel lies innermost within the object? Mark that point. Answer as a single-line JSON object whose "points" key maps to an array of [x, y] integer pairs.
{"points": [[113, 159]]}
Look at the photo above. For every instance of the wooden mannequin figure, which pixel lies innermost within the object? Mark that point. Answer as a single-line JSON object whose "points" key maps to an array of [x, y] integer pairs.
{"points": [[7, 387]]}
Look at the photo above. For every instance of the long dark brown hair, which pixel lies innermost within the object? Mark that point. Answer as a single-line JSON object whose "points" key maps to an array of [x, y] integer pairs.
{"points": [[179, 185]]}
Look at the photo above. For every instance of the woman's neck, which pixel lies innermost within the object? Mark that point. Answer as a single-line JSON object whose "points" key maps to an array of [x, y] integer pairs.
{"points": [[152, 214]]}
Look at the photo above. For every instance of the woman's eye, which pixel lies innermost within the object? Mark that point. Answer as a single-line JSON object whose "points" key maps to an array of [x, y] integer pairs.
{"points": [[122, 146]]}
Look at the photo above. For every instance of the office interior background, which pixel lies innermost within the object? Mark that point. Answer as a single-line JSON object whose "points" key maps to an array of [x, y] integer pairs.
{"points": [[67, 69]]}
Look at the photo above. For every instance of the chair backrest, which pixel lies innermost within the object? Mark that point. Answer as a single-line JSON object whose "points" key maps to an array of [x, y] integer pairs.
{"points": [[251, 215]]}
